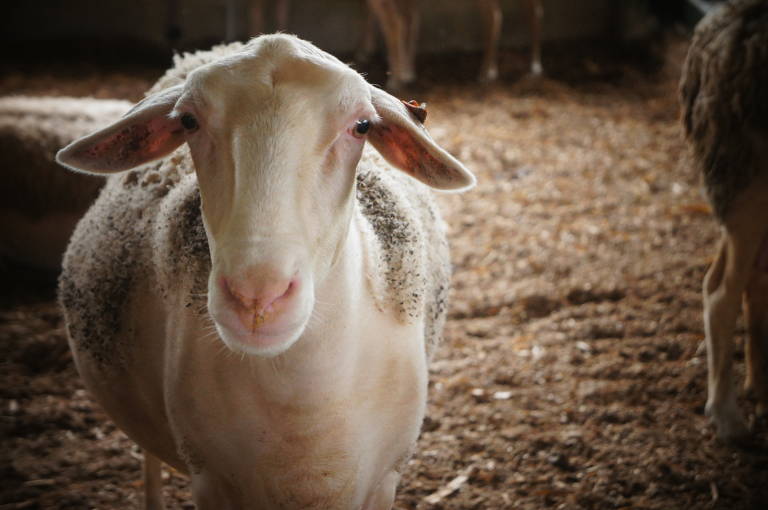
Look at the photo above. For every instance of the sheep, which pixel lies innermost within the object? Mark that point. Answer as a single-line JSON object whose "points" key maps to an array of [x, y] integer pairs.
{"points": [[41, 204], [492, 17], [254, 296], [256, 17], [399, 20], [724, 96]]}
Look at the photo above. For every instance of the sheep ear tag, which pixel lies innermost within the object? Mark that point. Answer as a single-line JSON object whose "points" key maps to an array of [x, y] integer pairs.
{"points": [[144, 134], [418, 110], [400, 137]]}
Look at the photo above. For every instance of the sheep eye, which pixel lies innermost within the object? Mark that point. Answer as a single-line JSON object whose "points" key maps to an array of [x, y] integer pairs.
{"points": [[189, 122], [362, 126]]}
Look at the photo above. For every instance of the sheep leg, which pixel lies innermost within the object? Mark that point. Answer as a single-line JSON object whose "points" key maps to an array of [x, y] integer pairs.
{"points": [[384, 496], [255, 17], [234, 9], [722, 292], [153, 482], [535, 16], [490, 11], [721, 400], [393, 28], [410, 12], [723, 287], [756, 306], [173, 23], [367, 44], [282, 10]]}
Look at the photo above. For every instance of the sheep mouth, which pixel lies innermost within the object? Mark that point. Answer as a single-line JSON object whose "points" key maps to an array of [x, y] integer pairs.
{"points": [[261, 339]]}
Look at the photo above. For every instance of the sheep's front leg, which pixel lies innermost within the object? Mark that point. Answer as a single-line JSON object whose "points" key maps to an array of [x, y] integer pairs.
{"points": [[535, 16], [723, 287], [491, 13], [397, 21], [153, 482], [367, 44], [411, 17], [384, 496], [756, 301]]}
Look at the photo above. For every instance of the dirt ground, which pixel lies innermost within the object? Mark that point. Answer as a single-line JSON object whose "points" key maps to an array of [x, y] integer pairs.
{"points": [[570, 375]]}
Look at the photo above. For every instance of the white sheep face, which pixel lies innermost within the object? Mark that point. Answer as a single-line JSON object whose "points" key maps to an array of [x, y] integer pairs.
{"points": [[276, 132], [274, 135]]}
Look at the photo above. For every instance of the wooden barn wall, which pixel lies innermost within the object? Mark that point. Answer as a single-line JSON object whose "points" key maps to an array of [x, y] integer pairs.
{"points": [[333, 24]]}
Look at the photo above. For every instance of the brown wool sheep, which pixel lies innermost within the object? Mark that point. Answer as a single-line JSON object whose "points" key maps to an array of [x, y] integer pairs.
{"points": [[724, 95], [41, 204]]}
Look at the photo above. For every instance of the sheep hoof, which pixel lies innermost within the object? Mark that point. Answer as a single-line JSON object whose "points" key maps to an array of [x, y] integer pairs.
{"points": [[730, 426], [489, 75]]}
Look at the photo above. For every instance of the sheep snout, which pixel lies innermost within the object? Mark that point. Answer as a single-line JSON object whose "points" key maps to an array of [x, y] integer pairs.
{"points": [[261, 311], [259, 299]]}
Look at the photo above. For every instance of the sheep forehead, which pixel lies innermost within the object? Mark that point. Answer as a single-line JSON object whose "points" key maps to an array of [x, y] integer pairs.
{"points": [[275, 67]]}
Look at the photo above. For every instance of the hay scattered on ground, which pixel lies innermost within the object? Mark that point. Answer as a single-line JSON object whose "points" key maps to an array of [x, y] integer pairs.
{"points": [[570, 375]]}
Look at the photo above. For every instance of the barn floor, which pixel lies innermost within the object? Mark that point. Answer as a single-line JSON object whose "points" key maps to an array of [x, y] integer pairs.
{"points": [[570, 376]]}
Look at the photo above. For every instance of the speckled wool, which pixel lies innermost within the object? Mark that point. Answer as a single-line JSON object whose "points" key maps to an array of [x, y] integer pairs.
{"points": [[724, 95], [41, 202], [32, 129]]}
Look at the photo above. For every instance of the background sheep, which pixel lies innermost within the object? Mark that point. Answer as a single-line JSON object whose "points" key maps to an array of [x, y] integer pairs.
{"points": [[724, 93], [41, 204], [328, 277], [399, 21]]}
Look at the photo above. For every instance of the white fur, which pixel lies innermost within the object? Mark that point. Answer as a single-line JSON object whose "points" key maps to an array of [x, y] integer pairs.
{"points": [[319, 402]]}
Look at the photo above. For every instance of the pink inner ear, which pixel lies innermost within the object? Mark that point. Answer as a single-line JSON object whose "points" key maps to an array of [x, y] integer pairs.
{"points": [[411, 157], [134, 144]]}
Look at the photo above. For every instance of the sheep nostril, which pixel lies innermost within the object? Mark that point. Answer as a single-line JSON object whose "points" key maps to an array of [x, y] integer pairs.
{"points": [[258, 295], [234, 294]]}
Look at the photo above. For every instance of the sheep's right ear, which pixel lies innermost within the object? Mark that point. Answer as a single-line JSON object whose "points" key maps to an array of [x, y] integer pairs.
{"points": [[144, 134]]}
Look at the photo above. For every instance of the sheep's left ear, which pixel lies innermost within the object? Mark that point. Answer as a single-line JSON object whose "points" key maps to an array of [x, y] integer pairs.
{"points": [[399, 136]]}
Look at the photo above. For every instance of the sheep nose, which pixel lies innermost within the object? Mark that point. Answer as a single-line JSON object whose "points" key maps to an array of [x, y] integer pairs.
{"points": [[257, 298]]}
